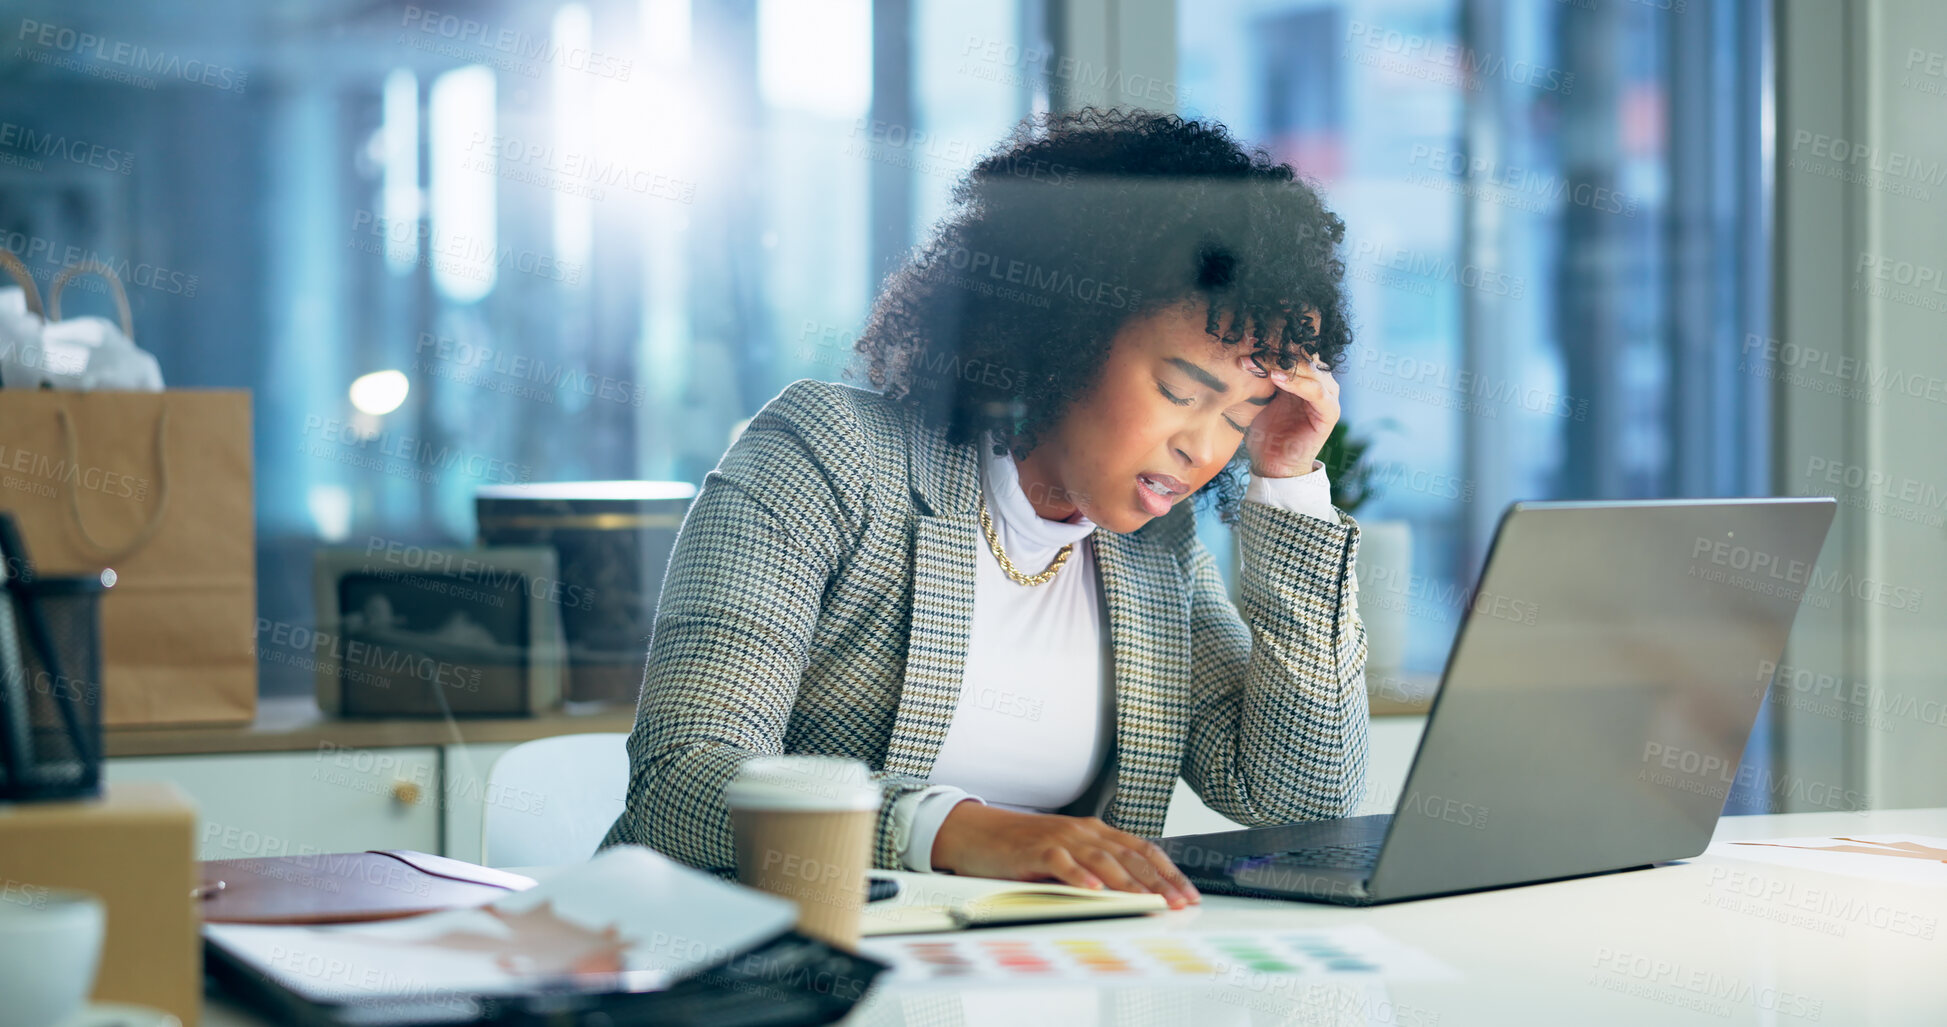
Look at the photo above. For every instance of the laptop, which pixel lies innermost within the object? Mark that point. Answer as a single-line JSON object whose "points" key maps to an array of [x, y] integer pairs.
{"points": [[1607, 672]]}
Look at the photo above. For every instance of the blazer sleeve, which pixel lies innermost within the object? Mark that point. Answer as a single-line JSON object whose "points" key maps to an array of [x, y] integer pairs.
{"points": [[740, 604], [1279, 714]]}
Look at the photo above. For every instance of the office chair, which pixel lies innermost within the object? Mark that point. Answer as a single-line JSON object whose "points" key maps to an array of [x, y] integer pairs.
{"points": [[552, 800]]}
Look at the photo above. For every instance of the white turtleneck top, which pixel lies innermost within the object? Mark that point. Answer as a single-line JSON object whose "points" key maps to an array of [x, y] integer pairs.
{"points": [[1035, 716]]}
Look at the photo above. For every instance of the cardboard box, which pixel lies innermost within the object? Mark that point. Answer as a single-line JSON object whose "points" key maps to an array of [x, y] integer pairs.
{"points": [[135, 847]]}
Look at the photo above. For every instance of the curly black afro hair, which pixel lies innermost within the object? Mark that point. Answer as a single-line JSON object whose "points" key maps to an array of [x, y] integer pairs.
{"points": [[1076, 223]]}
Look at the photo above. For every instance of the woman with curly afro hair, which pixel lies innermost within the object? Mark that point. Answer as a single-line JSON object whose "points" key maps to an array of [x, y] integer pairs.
{"points": [[981, 576]]}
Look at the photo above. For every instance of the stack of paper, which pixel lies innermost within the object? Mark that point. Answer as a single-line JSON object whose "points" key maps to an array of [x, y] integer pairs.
{"points": [[628, 920]]}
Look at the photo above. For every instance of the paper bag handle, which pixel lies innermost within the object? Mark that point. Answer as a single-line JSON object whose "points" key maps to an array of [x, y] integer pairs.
{"points": [[20, 274], [114, 286], [148, 530]]}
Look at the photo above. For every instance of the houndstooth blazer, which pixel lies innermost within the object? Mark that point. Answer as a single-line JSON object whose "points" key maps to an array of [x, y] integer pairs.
{"points": [[818, 600]]}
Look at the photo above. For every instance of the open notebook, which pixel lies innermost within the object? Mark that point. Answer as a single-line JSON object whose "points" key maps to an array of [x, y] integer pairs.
{"points": [[946, 902]]}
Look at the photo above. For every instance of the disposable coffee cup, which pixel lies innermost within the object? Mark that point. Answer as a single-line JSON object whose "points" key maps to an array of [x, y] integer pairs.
{"points": [[803, 826]]}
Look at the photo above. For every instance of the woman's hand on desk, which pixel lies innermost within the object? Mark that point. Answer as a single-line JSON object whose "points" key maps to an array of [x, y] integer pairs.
{"points": [[982, 841]]}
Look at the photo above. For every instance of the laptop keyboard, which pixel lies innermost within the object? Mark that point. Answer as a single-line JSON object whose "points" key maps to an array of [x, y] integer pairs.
{"points": [[1333, 857]]}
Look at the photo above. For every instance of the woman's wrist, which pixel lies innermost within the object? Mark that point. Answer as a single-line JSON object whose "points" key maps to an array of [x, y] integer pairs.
{"points": [[962, 822], [1293, 471]]}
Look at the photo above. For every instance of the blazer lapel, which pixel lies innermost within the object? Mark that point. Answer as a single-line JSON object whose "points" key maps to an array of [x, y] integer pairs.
{"points": [[936, 648], [1149, 624], [945, 478], [945, 483]]}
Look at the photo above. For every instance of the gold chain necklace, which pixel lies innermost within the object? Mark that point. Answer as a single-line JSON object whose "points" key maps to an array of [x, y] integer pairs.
{"points": [[1007, 565]]}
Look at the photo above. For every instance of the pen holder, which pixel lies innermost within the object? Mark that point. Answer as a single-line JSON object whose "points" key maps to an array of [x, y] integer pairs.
{"points": [[50, 688]]}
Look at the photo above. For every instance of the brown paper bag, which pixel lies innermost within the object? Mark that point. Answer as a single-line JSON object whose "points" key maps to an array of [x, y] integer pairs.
{"points": [[157, 487]]}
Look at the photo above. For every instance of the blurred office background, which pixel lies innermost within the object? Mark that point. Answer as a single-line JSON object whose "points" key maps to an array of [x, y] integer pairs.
{"points": [[1590, 244]]}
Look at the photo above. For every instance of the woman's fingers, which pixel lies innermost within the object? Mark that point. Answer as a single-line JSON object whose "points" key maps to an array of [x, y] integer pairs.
{"points": [[1063, 867], [1079, 851], [1171, 872], [1127, 863], [1144, 870], [1154, 867], [1135, 854], [1110, 869], [1306, 388], [1306, 380], [1316, 388]]}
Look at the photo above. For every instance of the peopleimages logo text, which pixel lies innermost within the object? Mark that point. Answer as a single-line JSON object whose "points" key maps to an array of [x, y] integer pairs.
{"points": [[534, 370], [514, 43], [62, 149], [1032, 276], [196, 71]]}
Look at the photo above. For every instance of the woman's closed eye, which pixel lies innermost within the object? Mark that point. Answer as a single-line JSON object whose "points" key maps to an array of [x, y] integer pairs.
{"points": [[1184, 401]]}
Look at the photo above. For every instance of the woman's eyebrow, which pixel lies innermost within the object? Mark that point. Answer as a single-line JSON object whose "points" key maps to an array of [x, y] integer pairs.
{"points": [[1200, 374], [1211, 380]]}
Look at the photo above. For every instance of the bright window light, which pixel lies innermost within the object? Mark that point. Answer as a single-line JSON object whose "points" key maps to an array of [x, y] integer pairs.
{"points": [[330, 507], [816, 56], [380, 392], [666, 32], [574, 213], [463, 241], [399, 191]]}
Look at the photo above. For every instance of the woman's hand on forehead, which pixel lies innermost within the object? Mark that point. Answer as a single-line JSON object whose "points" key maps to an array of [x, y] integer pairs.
{"points": [[1289, 435]]}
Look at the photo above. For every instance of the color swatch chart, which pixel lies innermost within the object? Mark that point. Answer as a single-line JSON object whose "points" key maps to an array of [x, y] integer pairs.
{"points": [[1213, 956]]}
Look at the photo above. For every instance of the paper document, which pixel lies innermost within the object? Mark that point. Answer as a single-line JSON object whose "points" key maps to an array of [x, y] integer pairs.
{"points": [[630, 919], [1903, 858]]}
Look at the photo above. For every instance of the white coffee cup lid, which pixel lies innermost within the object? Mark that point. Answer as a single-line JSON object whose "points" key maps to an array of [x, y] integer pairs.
{"points": [[802, 783]]}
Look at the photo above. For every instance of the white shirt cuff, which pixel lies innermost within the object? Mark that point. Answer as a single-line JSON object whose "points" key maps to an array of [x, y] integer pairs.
{"points": [[916, 820], [1309, 494]]}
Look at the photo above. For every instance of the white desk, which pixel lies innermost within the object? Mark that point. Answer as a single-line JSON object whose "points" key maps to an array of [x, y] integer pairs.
{"points": [[1580, 952]]}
